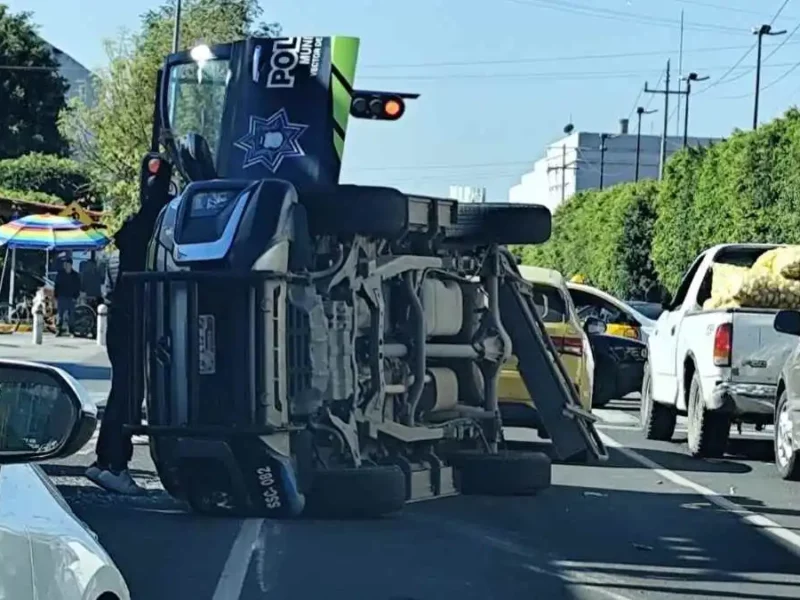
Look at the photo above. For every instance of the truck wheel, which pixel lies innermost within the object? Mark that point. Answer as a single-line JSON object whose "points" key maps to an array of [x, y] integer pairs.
{"points": [[708, 430], [786, 457], [363, 492], [502, 474], [657, 420]]}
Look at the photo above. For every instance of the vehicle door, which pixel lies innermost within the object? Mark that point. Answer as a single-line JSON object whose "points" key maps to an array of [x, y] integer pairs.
{"points": [[16, 566], [618, 322], [663, 343], [568, 341]]}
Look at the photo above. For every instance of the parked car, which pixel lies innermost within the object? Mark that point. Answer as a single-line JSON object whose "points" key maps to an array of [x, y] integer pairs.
{"points": [[620, 317], [568, 336], [47, 551], [786, 433], [718, 366]]}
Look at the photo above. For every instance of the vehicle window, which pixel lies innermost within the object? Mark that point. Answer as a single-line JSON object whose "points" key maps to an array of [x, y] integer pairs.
{"points": [[589, 305], [683, 288], [550, 303], [648, 309]]}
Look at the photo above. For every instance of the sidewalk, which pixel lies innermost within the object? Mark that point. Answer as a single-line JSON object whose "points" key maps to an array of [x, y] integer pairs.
{"points": [[83, 359]]}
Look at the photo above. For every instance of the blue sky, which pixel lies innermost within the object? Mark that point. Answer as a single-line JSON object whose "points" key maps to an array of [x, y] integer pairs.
{"points": [[500, 78]]}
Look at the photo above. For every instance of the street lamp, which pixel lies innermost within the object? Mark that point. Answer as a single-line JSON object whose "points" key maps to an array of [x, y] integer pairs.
{"points": [[639, 112], [761, 32], [689, 79], [603, 138]]}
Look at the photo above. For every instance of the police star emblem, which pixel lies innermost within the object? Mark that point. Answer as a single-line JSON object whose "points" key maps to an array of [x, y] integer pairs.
{"points": [[270, 141]]}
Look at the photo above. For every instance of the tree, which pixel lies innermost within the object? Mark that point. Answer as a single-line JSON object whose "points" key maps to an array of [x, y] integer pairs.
{"points": [[113, 136], [32, 93]]}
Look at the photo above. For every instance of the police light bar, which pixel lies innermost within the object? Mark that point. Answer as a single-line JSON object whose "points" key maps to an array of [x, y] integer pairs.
{"points": [[384, 106]]}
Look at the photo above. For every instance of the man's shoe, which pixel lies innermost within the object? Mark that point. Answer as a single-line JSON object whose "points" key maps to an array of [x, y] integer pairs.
{"points": [[93, 473], [121, 483]]}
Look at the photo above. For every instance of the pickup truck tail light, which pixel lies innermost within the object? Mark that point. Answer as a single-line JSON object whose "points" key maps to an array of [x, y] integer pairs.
{"points": [[569, 345], [723, 342]]}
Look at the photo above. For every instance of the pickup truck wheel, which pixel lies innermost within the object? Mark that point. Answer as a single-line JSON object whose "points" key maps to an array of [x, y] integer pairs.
{"points": [[786, 457], [657, 420], [708, 430]]}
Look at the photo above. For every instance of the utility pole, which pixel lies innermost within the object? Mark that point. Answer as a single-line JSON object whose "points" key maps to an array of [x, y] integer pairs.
{"points": [[563, 172], [689, 79], [176, 32], [761, 32], [666, 91], [603, 138], [639, 112]]}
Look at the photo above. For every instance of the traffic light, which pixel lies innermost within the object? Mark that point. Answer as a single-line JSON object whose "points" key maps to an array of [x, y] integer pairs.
{"points": [[383, 106], [156, 176]]}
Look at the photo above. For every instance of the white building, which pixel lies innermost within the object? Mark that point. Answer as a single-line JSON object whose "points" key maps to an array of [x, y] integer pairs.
{"points": [[78, 77], [468, 193], [576, 162]]}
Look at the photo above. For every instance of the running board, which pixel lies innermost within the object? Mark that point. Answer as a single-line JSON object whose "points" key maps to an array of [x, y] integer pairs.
{"points": [[571, 428]]}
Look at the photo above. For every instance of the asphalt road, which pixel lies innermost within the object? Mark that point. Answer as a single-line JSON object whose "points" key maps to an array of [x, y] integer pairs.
{"points": [[650, 524]]}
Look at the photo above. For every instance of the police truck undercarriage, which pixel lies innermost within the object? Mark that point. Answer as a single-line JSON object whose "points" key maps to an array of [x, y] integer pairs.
{"points": [[306, 346]]}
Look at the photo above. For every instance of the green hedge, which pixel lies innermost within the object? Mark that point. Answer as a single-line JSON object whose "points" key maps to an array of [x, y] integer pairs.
{"points": [[632, 239], [604, 236], [46, 174]]}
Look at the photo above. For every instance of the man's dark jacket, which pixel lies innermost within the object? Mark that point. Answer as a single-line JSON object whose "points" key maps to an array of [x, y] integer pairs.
{"points": [[68, 285]]}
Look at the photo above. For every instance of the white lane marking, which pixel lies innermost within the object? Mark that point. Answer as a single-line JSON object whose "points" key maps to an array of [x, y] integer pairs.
{"points": [[90, 445], [769, 527], [231, 580], [615, 417]]}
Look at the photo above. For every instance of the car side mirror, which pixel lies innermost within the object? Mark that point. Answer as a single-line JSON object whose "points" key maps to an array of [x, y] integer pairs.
{"points": [[44, 413], [787, 321], [594, 326]]}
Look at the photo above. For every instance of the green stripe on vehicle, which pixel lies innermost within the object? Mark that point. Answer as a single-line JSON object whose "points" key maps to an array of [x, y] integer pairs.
{"points": [[344, 55]]}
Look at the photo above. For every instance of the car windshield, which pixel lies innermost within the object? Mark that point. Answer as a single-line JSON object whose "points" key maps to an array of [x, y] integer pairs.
{"points": [[196, 100]]}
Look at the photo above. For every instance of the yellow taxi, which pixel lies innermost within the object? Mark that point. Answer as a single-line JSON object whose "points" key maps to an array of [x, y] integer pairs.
{"points": [[561, 320]]}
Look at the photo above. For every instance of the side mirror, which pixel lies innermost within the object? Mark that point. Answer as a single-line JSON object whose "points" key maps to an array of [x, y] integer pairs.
{"points": [[787, 321], [594, 326], [44, 413]]}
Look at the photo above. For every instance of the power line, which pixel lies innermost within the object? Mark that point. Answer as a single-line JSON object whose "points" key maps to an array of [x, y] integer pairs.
{"points": [[778, 14], [605, 13], [575, 57], [722, 79], [566, 75], [721, 7]]}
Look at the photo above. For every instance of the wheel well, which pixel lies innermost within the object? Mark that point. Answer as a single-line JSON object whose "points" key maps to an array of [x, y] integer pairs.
{"points": [[688, 373], [108, 596]]}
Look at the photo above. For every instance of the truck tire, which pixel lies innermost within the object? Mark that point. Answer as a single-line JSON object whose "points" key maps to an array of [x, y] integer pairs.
{"points": [[362, 492], [502, 474], [708, 430], [657, 420], [786, 457]]}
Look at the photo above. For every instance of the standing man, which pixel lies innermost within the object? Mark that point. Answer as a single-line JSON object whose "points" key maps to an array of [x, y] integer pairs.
{"points": [[67, 290], [114, 445], [92, 281]]}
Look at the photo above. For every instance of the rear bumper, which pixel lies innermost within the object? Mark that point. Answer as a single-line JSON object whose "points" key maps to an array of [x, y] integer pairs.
{"points": [[742, 398]]}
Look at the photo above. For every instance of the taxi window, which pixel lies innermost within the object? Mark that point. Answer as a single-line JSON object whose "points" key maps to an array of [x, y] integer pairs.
{"points": [[550, 303]]}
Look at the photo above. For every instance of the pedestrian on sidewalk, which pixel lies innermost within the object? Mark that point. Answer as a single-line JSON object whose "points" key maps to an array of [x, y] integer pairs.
{"points": [[92, 281], [67, 289]]}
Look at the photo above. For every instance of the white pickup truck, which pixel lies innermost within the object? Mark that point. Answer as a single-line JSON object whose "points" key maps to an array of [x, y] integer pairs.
{"points": [[719, 367]]}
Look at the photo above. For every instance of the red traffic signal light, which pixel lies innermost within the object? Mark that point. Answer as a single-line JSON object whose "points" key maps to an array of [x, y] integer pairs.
{"points": [[377, 106]]}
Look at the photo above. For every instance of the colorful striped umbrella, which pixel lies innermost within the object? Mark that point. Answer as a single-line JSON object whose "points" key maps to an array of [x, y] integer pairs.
{"points": [[50, 232]]}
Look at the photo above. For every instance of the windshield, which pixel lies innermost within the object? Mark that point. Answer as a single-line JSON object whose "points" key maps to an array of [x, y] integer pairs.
{"points": [[196, 100]]}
